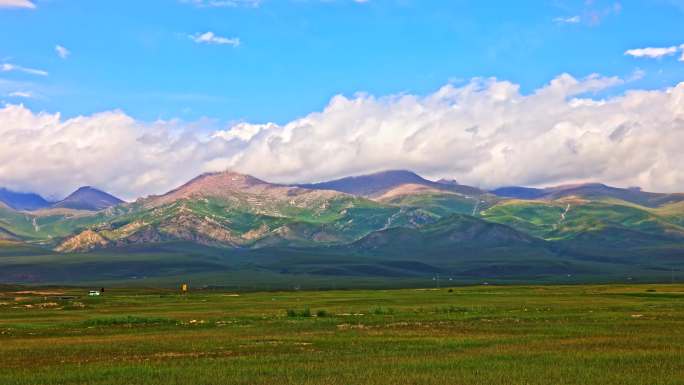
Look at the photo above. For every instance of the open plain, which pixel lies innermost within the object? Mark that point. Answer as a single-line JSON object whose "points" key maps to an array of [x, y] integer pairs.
{"points": [[583, 334]]}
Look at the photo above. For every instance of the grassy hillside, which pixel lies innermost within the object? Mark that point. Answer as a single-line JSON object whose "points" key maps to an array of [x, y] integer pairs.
{"points": [[672, 212], [49, 226], [441, 204], [611, 220], [212, 221]]}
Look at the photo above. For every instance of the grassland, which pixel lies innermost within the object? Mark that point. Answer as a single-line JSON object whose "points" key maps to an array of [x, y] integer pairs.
{"points": [[600, 334]]}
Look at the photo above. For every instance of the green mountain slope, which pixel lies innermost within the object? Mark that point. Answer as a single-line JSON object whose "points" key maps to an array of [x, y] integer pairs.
{"points": [[438, 202], [450, 233], [229, 209], [48, 226], [565, 219]]}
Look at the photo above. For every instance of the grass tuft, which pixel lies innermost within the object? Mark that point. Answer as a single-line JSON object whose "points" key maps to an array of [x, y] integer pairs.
{"points": [[380, 310], [293, 313], [129, 320], [450, 309]]}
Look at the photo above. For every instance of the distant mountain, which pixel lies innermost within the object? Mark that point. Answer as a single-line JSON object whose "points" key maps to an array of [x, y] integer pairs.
{"points": [[374, 185], [590, 191], [88, 198], [388, 224], [235, 210], [85, 198], [597, 190], [22, 201]]}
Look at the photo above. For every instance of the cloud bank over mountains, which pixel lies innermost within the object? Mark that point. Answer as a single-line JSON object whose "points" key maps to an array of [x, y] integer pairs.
{"points": [[485, 133]]}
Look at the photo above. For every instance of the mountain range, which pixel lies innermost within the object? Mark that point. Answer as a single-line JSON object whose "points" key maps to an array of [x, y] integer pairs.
{"points": [[84, 198], [388, 224]]}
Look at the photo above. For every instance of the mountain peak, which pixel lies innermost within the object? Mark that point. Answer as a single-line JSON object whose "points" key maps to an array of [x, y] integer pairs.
{"points": [[396, 173], [376, 184], [231, 178], [84, 189], [88, 198], [448, 182], [370, 184], [223, 179], [216, 184]]}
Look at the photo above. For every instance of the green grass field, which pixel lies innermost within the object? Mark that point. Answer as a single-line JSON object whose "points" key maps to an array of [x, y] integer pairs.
{"points": [[601, 334]]}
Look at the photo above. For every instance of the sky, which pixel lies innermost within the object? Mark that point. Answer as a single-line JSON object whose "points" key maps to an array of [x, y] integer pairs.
{"points": [[137, 97]]}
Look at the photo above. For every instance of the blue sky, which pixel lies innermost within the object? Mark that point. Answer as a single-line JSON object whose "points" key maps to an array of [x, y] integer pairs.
{"points": [[294, 55]]}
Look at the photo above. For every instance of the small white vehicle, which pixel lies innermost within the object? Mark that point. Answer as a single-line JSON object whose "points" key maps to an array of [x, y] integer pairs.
{"points": [[94, 293]]}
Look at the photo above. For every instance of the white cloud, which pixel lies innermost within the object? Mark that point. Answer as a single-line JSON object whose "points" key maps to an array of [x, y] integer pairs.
{"points": [[7, 67], [62, 52], [17, 4], [651, 52], [223, 3], [109, 150], [485, 133], [211, 38], [567, 20], [244, 131], [21, 94]]}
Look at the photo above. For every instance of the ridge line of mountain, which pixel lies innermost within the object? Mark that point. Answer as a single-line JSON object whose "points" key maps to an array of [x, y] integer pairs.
{"points": [[370, 186], [84, 198]]}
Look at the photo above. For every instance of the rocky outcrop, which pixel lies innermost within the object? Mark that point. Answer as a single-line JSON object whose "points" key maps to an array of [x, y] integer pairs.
{"points": [[84, 241]]}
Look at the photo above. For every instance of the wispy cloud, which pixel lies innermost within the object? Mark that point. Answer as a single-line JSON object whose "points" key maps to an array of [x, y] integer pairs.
{"points": [[62, 51], [223, 3], [638, 74], [21, 94], [17, 4], [652, 52], [7, 67], [567, 20], [211, 38]]}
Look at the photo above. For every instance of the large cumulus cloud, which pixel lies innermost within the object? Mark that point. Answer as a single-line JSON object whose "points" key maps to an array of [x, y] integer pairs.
{"points": [[485, 133], [110, 150]]}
